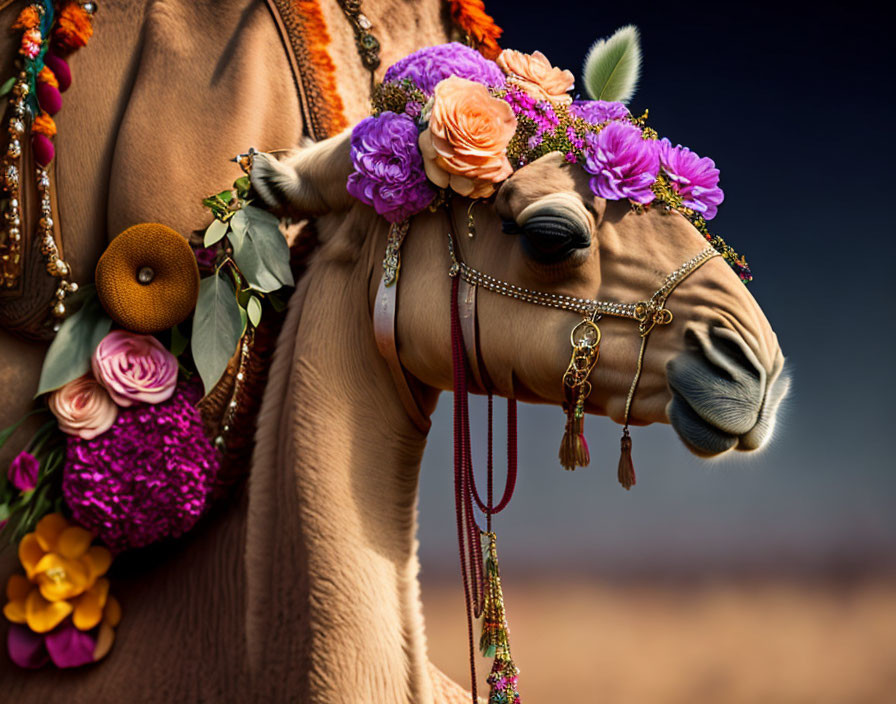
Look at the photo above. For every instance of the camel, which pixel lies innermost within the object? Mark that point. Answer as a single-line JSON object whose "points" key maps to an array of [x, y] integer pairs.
{"points": [[304, 587]]}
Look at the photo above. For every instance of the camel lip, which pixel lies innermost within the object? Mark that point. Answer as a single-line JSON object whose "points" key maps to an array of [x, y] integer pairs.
{"points": [[701, 438]]}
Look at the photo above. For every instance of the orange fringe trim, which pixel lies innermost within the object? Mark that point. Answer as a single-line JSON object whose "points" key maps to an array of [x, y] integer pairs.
{"points": [[48, 77], [28, 18], [471, 17], [316, 39], [45, 125], [74, 27]]}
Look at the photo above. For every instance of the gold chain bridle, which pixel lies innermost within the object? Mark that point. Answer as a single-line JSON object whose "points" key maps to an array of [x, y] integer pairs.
{"points": [[585, 341]]}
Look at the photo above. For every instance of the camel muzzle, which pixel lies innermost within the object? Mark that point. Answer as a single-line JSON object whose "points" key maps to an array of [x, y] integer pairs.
{"points": [[723, 398]]}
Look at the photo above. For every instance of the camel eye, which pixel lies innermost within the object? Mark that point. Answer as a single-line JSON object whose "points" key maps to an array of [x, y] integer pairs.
{"points": [[550, 238]]}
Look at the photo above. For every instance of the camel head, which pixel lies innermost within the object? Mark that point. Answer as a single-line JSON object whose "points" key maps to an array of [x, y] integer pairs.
{"points": [[575, 199], [715, 373]]}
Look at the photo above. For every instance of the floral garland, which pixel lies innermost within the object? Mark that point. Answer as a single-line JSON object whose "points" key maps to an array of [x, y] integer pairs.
{"points": [[125, 457], [445, 117], [50, 33]]}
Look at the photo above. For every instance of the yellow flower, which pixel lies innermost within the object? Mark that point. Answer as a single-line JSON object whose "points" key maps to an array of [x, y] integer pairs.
{"points": [[62, 577]]}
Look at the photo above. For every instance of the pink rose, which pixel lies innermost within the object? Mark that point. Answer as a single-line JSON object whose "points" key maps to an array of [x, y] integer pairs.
{"points": [[23, 471], [83, 408], [535, 75], [465, 145], [134, 368]]}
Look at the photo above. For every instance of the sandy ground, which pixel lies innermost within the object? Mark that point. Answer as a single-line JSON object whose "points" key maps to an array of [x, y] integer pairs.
{"points": [[736, 643]]}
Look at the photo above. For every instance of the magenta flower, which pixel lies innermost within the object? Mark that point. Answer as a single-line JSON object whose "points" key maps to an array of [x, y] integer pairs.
{"points": [[623, 163], [389, 172], [148, 477], [696, 179], [65, 645], [431, 65], [598, 111], [23, 471]]}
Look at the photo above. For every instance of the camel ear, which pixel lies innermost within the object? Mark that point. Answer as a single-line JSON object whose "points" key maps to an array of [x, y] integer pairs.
{"points": [[307, 182]]}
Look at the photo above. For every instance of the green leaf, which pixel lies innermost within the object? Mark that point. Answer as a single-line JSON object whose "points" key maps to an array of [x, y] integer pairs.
{"points": [[179, 341], [239, 224], [254, 311], [69, 354], [244, 321], [6, 433], [217, 327], [242, 185], [214, 233], [5, 88], [277, 303], [262, 253], [613, 66]]}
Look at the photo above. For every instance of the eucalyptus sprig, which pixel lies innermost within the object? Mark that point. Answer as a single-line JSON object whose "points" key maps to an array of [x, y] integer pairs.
{"points": [[255, 266]]}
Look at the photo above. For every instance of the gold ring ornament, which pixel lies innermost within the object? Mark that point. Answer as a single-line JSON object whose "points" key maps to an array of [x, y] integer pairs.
{"points": [[147, 279]]}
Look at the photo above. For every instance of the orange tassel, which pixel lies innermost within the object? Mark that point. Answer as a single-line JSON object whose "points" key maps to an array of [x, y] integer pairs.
{"points": [[45, 125], [74, 27], [48, 77], [626, 468], [29, 18]]}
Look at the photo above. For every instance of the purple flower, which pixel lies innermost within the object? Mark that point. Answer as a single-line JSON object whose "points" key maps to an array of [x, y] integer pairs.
{"points": [[541, 112], [146, 478], [388, 165], [624, 165], [428, 66], [65, 645], [598, 111], [696, 179], [23, 471]]}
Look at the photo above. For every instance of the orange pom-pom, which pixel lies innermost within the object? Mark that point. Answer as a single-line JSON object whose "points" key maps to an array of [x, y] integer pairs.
{"points": [[471, 17], [48, 77], [28, 18], [147, 279], [45, 125], [74, 27]]}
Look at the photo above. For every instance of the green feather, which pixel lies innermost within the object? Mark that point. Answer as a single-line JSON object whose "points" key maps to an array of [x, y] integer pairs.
{"points": [[613, 66]]}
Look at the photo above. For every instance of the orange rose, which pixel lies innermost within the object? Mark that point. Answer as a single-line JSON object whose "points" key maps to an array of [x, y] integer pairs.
{"points": [[534, 74], [465, 145]]}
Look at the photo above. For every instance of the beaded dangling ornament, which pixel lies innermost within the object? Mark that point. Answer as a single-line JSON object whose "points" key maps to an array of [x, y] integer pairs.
{"points": [[585, 341], [495, 639]]}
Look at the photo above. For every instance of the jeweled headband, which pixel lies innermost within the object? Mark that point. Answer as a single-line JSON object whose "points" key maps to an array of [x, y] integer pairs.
{"points": [[445, 117]]}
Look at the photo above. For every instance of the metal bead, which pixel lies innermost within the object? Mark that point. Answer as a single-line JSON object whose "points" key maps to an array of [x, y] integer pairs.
{"points": [[145, 275], [46, 223], [14, 150], [89, 7], [17, 127], [13, 203], [59, 309], [61, 268]]}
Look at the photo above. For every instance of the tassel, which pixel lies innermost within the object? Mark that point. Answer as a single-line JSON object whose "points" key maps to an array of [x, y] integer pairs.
{"points": [[626, 468], [495, 639], [574, 448]]}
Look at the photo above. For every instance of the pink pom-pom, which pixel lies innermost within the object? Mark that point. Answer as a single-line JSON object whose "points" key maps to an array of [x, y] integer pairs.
{"points": [[43, 148], [60, 69], [50, 98]]}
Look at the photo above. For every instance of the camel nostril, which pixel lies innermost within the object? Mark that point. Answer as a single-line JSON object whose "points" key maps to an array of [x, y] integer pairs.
{"points": [[722, 383], [552, 238]]}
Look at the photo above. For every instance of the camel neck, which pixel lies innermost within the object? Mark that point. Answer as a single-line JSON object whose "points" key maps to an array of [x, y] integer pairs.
{"points": [[341, 542]]}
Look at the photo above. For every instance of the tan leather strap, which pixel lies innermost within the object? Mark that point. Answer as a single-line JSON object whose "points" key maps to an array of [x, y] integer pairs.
{"points": [[385, 312]]}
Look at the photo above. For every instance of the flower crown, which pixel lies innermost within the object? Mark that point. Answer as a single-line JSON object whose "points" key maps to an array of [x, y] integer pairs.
{"points": [[445, 117]]}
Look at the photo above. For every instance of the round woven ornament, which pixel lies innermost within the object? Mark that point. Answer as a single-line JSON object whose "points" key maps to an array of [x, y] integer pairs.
{"points": [[147, 279]]}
